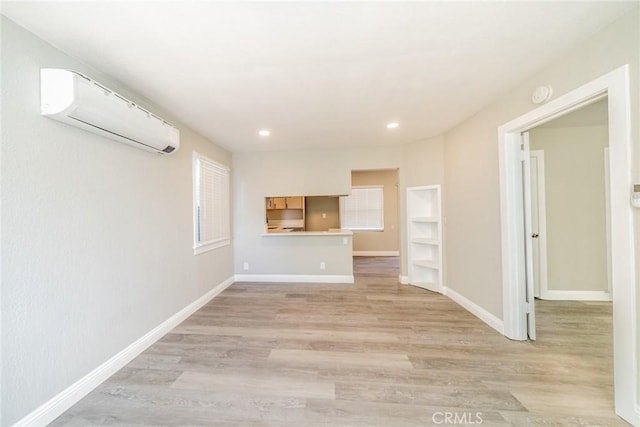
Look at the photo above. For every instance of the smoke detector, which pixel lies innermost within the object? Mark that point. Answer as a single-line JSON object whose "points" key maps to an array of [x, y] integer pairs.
{"points": [[541, 94]]}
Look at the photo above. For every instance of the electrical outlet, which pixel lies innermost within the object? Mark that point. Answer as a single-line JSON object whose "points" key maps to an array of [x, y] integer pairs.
{"points": [[324, 215], [245, 266], [322, 265], [345, 240]]}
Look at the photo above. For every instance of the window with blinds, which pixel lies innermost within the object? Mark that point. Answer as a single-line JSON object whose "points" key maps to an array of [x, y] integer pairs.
{"points": [[211, 207], [363, 209]]}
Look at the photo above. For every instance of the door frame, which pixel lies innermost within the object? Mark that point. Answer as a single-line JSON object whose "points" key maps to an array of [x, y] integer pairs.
{"points": [[614, 85], [607, 219]]}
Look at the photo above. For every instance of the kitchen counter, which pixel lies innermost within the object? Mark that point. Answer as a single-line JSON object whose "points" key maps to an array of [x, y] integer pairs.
{"points": [[286, 232], [298, 256]]}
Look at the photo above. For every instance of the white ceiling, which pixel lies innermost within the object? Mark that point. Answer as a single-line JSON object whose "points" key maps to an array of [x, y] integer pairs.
{"points": [[316, 74]]}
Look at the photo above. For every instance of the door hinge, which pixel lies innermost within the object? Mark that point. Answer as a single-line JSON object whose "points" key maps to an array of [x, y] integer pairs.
{"points": [[527, 307]]}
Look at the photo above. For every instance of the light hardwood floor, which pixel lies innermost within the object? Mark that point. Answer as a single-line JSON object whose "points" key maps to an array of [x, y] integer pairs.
{"points": [[371, 354]]}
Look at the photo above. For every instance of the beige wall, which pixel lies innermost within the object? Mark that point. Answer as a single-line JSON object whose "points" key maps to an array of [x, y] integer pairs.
{"points": [[387, 240], [322, 213], [575, 205], [472, 189]]}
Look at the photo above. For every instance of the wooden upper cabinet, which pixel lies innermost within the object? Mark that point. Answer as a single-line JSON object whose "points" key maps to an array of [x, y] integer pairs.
{"points": [[280, 202], [285, 202], [295, 202]]}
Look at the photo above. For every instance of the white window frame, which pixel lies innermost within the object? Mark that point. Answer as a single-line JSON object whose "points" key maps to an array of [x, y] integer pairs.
{"points": [[219, 221], [362, 224]]}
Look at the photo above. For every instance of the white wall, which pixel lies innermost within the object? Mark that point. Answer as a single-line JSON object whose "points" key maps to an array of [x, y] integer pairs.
{"points": [[423, 164], [473, 253], [314, 172], [96, 235], [575, 205], [288, 173], [472, 202]]}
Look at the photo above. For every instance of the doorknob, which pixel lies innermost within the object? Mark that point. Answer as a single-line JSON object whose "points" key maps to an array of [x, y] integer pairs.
{"points": [[534, 235]]}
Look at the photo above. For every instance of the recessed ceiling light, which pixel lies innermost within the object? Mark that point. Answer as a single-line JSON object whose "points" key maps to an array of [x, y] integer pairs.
{"points": [[264, 132], [392, 125]]}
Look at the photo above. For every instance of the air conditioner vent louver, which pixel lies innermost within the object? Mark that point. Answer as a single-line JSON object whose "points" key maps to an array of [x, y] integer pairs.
{"points": [[75, 99]]}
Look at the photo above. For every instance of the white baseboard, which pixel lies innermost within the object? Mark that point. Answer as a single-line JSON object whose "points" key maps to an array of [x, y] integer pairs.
{"points": [[476, 310], [404, 280], [376, 253], [635, 421], [64, 400], [576, 295], [298, 278]]}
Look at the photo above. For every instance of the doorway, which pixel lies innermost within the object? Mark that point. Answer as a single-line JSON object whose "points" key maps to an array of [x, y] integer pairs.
{"points": [[372, 212], [568, 166], [516, 303], [569, 232]]}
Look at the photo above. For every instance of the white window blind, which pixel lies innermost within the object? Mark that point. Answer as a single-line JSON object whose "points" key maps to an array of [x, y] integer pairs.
{"points": [[363, 209], [212, 227]]}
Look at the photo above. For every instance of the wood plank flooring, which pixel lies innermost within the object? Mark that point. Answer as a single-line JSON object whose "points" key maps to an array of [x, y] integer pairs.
{"points": [[371, 354]]}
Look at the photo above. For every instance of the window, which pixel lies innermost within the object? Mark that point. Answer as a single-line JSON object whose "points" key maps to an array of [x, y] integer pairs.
{"points": [[363, 209], [210, 204]]}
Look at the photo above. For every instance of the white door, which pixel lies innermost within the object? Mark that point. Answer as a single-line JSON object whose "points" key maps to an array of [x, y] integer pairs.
{"points": [[528, 239], [538, 224], [607, 217]]}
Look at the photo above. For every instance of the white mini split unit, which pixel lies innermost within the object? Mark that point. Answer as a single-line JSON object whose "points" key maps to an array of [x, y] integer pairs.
{"points": [[75, 99]]}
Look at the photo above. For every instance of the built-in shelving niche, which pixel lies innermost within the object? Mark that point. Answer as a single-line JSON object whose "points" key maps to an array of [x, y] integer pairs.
{"points": [[424, 237]]}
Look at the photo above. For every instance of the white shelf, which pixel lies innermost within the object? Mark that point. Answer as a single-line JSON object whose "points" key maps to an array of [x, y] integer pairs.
{"points": [[425, 219], [425, 241], [424, 237], [426, 263]]}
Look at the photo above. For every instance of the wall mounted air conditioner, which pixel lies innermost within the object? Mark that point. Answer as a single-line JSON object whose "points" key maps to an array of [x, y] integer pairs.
{"points": [[75, 99]]}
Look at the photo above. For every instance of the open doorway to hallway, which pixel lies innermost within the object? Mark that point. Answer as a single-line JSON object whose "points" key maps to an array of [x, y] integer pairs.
{"points": [[570, 253], [372, 212], [516, 304], [569, 205]]}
